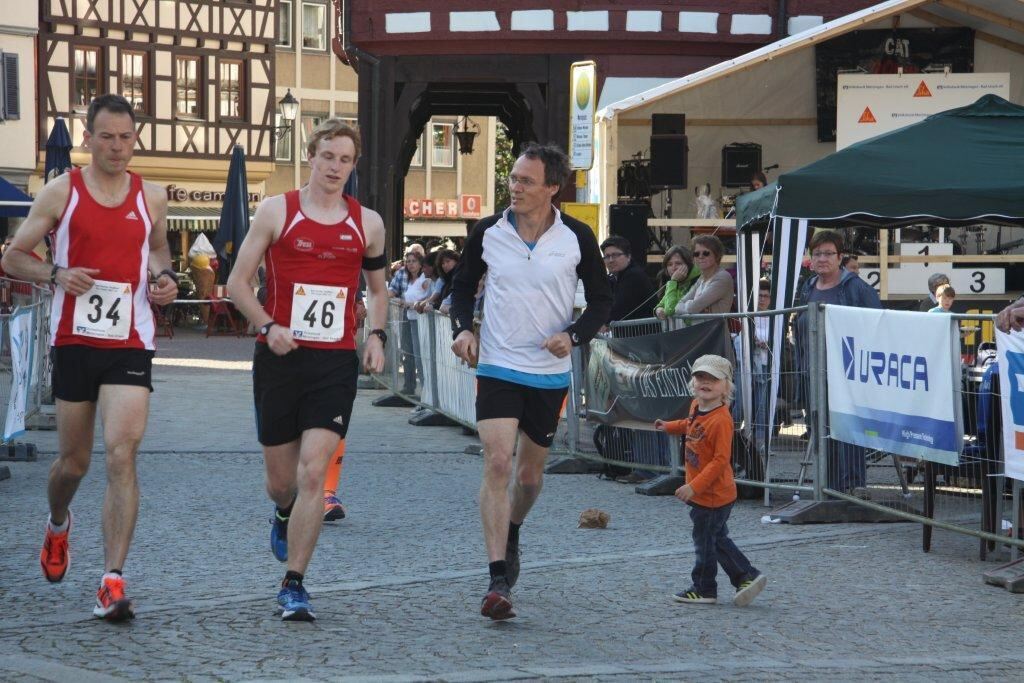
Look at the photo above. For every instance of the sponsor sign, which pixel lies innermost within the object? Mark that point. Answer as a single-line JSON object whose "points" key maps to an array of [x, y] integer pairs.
{"points": [[869, 105], [1010, 356], [19, 326], [887, 388], [886, 51], [466, 206], [582, 105], [633, 381]]}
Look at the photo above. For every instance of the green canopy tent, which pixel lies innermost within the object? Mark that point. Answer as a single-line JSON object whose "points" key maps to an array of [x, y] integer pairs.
{"points": [[959, 167]]}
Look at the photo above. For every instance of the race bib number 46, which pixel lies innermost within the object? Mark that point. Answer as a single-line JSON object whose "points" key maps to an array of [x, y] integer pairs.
{"points": [[105, 311], [318, 312]]}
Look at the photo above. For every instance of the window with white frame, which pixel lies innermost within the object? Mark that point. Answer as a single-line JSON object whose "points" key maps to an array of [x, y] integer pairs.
{"points": [[283, 146], [442, 137], [307, 124], [232, 89], [188, 86], [134, 79], [314, 26], [284, 23]]}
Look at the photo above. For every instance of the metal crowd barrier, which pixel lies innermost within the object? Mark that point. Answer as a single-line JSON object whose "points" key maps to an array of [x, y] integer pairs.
{"points": [[789, 453]]}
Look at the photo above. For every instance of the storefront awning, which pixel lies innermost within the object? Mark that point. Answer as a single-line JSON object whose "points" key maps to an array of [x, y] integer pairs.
{"points": [[13, 202], [434, 229], [195, 218]]}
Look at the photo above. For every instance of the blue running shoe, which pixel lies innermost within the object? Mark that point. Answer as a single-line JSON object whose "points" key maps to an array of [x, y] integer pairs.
{"points": [[294, 602], [279, 537]]}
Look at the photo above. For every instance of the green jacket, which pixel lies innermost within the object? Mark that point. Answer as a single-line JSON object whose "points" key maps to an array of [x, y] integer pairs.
{"points": [[674, 291]]}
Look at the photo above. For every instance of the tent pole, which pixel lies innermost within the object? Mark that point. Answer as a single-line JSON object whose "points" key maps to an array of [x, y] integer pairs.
{"points": [[883, 264]]}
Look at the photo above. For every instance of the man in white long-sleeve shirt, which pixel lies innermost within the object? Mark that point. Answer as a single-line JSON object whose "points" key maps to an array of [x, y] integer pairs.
{"points": [[533, 256]]}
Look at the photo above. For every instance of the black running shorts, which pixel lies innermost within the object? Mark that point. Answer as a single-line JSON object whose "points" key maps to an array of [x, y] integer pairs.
{"points": [[303, 389], [538, 410], [79, 371]]}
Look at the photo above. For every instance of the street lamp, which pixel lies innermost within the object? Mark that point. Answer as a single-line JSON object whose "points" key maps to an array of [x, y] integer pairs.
{"points": [[466, 136], [289, 109]]}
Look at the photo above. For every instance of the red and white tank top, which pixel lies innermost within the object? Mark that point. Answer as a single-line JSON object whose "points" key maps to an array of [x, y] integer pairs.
{"points": [[115, 313], [313, 276]]}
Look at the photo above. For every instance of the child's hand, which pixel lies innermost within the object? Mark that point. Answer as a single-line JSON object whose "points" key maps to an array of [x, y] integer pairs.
{"points": [[684, 493], [659, 425]]}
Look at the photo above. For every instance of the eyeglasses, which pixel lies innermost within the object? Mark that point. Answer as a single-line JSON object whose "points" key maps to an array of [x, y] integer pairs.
{"points": [[520, 180], [612, 257], [701, 254], [824, 254]]}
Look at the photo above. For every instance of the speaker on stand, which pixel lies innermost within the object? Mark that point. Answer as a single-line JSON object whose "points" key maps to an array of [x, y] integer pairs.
{"points": [[669, 151]]}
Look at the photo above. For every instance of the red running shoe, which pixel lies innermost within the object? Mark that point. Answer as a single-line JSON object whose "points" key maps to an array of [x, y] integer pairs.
{"points": [[111, 603], [55, 557], [497, 604]]}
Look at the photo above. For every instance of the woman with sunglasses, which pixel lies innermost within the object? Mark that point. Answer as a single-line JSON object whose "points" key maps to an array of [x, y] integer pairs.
{"points": [[714, 290]]}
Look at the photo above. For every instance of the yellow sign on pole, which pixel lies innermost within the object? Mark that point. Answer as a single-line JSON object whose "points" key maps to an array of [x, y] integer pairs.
{"points": [[582, 106], [588, 213]]}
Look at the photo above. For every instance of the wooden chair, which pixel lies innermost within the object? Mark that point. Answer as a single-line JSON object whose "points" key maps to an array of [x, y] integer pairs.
{"points": [[222, 320], [162, 322]]}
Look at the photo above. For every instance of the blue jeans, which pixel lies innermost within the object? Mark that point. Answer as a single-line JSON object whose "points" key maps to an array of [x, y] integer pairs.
{"points": [[713, 546]]}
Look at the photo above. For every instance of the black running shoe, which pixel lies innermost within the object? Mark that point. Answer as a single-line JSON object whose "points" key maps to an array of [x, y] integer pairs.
{"points": [[497, 604], [512, 563]]}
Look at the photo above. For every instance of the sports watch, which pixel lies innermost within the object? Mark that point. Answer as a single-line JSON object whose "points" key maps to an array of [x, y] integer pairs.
{"points": [[265, 330], [380, 334], [573, 337]]}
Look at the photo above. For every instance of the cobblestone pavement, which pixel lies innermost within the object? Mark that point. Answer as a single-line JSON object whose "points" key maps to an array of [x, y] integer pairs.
{"points": [[397, 585]]}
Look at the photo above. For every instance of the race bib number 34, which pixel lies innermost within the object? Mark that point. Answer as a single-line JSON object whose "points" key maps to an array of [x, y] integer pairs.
{"points": [[105, 311], [318, 312]]}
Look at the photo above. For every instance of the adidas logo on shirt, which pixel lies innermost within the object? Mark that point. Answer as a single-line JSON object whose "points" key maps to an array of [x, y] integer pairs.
{"points": [[131, 216]]}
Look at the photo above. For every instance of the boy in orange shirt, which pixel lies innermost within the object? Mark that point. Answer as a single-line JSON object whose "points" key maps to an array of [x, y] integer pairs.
{"points": [[709, 489]]}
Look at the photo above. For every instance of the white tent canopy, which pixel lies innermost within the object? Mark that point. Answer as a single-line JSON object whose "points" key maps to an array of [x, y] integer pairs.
{"points": [[768, 95]]}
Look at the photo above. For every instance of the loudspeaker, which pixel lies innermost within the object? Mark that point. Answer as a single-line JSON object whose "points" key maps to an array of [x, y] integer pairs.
{"points": [[668, 162], [739, 163], [630, 221], [668, 124]]}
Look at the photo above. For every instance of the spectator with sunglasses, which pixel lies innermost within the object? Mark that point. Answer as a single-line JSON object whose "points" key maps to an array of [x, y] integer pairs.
{"points": [[714, 290]]}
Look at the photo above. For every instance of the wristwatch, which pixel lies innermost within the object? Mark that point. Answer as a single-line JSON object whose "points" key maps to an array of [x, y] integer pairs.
{"points": [[265, 330], [380, 334], [573, 337]]}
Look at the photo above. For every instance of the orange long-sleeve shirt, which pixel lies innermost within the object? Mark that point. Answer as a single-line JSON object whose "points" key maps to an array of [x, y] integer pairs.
{"points": [[707, 454]]}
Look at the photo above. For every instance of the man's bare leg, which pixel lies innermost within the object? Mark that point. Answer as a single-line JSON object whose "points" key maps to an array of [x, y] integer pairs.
{"points": [[307, 516], [124, 410], [529, 479], [75, 431], [498, 436]]}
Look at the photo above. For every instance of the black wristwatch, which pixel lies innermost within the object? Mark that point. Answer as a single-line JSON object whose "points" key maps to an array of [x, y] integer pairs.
{"points": [[169, 273], [265, 330], [573, 337], [53, 274], [380, 334]]}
